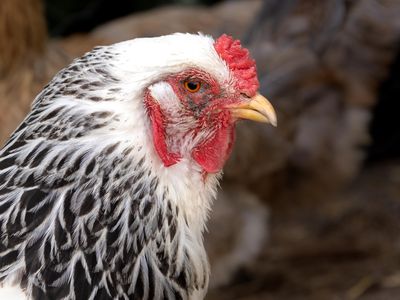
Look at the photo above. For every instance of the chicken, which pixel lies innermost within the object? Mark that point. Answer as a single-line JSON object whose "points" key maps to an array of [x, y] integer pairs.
{"points": [[106, 185], [29, 59], [31, 70]]}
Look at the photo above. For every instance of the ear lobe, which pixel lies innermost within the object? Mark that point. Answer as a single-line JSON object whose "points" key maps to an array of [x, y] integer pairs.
{"points": [[164, 94]]}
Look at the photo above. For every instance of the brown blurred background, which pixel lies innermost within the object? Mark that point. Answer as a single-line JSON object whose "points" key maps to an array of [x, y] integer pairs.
{"points": [[309, 210]]}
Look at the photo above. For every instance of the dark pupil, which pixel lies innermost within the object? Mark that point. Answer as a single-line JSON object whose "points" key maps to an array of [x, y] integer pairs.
{"points": [[192, 85]]}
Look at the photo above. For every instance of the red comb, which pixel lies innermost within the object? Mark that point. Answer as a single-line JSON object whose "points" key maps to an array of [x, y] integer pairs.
{"points": [[239, 62]]}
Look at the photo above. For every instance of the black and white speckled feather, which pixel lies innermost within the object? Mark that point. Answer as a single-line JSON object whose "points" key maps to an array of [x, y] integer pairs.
{"points": [[87, 210]]}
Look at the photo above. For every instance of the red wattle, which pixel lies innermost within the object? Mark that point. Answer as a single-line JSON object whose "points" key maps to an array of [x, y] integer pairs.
{"points": [[212, 154]]}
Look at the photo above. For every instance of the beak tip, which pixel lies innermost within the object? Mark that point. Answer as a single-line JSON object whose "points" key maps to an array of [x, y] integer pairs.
{"points": [[262, 104], [273, 120], [257, 109]]}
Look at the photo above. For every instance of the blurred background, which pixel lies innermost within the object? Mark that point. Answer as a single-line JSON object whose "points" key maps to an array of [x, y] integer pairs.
{"points": [[308, 210]]}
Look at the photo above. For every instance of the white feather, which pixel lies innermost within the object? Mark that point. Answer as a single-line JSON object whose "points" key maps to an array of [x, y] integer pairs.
{"points": [[12, 293], [138, 65], [142, 59]]}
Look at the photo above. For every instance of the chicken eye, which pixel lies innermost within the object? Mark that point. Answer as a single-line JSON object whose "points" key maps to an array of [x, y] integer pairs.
{"points": [[192, 86]]}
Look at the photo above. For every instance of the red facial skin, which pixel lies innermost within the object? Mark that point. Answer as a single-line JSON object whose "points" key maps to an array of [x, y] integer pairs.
{"points": [[158, 127], [212, 154], [208, 107]]}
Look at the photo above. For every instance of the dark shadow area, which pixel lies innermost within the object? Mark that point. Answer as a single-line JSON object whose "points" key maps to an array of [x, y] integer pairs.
{"points": [[67, 17], [385, 125]]}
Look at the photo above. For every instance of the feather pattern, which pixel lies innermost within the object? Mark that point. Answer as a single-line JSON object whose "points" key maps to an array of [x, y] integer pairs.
{"points": [[88, 212]]}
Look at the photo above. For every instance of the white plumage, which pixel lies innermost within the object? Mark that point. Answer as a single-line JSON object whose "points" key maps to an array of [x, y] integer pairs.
{"points": [[90, 207]]}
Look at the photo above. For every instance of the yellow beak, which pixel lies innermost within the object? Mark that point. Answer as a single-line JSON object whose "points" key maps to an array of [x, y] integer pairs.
{"points": [[257, 109]]}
